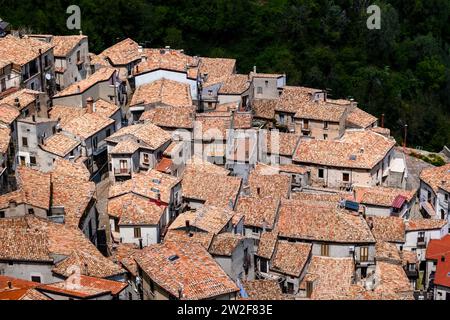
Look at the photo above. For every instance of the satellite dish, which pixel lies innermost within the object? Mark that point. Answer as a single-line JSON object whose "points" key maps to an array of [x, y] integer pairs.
{"points": [[48, 76]]}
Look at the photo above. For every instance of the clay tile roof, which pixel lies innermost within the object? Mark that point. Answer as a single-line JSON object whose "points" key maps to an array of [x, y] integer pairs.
{"points": [[203, 238], [123, 255], [147, 133], [388, 252], [438, 247], [63, 45], [321, 223], [217, 69], [128, 146], [290, 258], [25, 97], [322, 111], [275, 185], [264, 109], [87, 125], [356, 149], [381, 130], [165, 91], [122, 53], [65, 113], [381, 196], [266, 75], [20, 51], [5, 138], [132, 209], [242, 120], [223, 192], [18, 289], [35, 186], [409, 257], [8, 113], [171, 117], [425, 224], [224, 244], [235, 84], [168, 59], [360, 119], [258, 212], [332, 277], [333, 198], [60, 144], [147, 184], [389, 229], [34, 239], [105, 108], [198, 165], [437, 177], [283, 144], [207, 218], [212, 126], [392, 279], [186, 268], [89, 264], [293, 97], [102, 75], [267, 243], [263, 290]]}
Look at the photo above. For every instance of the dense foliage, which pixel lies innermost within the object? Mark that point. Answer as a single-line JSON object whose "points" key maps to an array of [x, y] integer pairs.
{"points": [[401, 70]]}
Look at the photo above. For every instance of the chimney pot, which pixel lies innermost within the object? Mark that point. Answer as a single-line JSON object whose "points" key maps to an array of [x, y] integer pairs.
{"points": [[9, 285], [90, 105]]}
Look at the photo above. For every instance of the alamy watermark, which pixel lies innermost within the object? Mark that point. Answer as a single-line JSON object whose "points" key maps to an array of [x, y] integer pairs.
{"points": [[374, 20], [74, 20]]}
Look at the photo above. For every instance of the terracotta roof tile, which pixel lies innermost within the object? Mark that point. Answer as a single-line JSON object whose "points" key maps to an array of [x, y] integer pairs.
{"points": [[20, 51], [25, 98], [122, 53], [207, 218], [280, 143], [163, 91], [258, 212], [365, 147], [224, 244], [185, 267], [290, 258], [149, 135], [63, 45], [425, 224], [235, 84], [437, 177], [389, 229], [87, 125], [311, 222], [264, 109], [388, 252], [171, 117], [360, 119], [102, 75], [267, 244], [381, 196], [8, 113], [273, 185], [60, 144], [5, 139], [132, 209], [217, 69], [203, 238], [263, 290], [168, 59]]}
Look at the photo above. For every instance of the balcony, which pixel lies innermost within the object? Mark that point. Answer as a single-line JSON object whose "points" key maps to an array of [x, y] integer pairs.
{"points": [[412, 274], [122, 172]]}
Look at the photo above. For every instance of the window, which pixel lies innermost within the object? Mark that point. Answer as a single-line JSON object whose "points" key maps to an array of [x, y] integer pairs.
{"points": [[108, 132], [24, 142], [137, 233], [325, 137], [263, 265], [33, 161], [325, 250], [321, 173], [36, 279], [30, 211], [2, 214], [411, 267], [346, 177], [123, 166], [146, 158], [255, 230], [259, 90], [267, 83], [309, 289], [305, 124], [364, 254], [364, 272], [446, 197], [78, 56], [325, 125], [152, 286], [290, 288]]}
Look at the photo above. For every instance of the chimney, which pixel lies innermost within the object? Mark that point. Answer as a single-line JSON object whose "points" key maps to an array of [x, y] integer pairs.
{"points": [[81, 32], [9, 285], [17, 103], [188, 226], [90, 105], [78, 89], [443, 259], [382, 120], [258, 191], [86, 269], [141, 246], [33, 117]]}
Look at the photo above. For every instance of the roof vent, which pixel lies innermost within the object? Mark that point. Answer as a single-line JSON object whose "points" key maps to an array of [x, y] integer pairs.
{"points": [[155, 190], [156, 180], [174, 258], [352, 157]]}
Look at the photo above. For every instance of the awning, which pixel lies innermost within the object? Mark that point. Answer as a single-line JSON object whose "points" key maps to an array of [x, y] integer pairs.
{"points": [[398, 202]]}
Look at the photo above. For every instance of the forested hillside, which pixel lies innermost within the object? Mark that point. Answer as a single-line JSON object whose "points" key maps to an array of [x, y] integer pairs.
{"points": [[401, 70]]}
